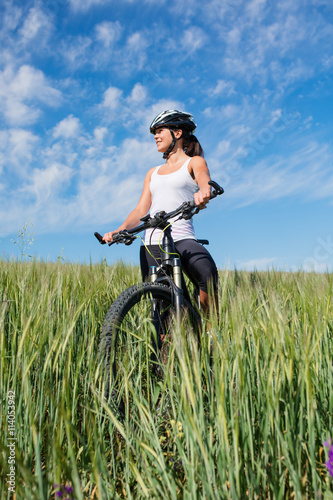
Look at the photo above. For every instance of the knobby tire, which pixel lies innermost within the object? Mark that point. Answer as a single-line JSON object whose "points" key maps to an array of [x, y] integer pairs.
{"points": [[131, 338]]}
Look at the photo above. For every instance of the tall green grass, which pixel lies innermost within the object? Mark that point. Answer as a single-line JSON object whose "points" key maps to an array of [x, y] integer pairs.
{"points": [[245, 420]]}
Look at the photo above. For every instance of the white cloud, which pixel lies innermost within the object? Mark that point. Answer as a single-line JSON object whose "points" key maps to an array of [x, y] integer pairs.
{"points": [[108, 32], [192, 39], [104, 198], [21, 88], [21, 142], [46, 182], [30, 83], [121, 56], [134, 151], [11, 17], [297, 71], [35, 23], [135, 49], [79, 5], [138, 94], [267, 39], [327, 62], [68, 128], [83, 6], [77, 51], [255, 8], [222, 88], [100, 133], [41, 199], [128, 110], [307, 174], [18, 113], [112, 98], [229, 111], [20, 147], [223, 147], [17, 151], [137, 44]]}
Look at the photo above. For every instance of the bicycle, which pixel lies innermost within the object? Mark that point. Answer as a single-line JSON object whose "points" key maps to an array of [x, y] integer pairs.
{"points": [[142, 318]]}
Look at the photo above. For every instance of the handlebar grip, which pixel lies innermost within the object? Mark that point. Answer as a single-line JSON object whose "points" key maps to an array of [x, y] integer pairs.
{"points": [[100, 238], [217, 189]]}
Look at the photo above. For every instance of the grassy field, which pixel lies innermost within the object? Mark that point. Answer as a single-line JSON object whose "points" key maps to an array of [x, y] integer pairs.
{"points": [[250, 426]]}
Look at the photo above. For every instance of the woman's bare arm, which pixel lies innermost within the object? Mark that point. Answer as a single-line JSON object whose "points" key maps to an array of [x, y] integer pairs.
{"points": [[201, 175]]}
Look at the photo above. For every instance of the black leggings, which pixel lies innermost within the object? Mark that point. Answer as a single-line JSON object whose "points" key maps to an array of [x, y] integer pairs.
{"points": [[196, 261]]}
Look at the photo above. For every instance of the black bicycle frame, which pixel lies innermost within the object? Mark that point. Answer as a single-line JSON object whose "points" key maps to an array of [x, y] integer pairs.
{"points": [[174, 276]]}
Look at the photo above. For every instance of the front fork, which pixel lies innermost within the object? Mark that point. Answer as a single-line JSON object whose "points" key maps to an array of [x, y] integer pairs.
{"points": [[177, 290], [178, 298]]}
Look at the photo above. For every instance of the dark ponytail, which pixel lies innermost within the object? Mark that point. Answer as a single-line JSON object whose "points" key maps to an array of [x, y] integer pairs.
{"points": [[192, 146]]}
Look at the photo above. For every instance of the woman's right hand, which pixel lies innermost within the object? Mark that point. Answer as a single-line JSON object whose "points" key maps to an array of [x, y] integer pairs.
{"points": [[108, 237]]}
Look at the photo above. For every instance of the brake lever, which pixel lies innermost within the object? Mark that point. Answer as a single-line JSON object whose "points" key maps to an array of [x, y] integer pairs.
{"points": [[122, 237], [191, 210]]}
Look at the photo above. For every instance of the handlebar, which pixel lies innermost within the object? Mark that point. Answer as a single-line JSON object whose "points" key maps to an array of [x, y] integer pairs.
{"points": [[186, 211]]}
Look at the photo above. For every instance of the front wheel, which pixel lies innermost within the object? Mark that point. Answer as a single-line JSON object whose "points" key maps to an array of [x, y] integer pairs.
{"points": [[136, 325]]}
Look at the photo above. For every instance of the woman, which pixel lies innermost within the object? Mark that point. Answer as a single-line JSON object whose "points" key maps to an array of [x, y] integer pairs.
{"points": [[182, 177]]}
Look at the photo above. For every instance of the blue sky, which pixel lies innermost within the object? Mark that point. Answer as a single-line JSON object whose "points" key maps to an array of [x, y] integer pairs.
{"points": [[80, 82]]}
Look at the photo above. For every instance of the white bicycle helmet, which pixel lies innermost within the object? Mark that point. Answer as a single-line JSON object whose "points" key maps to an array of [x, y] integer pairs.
{"points": [[173, 118]]}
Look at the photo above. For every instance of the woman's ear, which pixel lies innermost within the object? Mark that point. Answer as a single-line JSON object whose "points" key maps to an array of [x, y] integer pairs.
{"points": [[178, 133]]}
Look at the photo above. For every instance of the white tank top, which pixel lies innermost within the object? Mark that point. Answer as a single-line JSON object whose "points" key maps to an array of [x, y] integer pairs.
{"points": [[167, 193]]}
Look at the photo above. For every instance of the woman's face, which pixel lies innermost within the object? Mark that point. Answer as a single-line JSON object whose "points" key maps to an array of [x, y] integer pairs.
{"points": [[163, 138]]}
